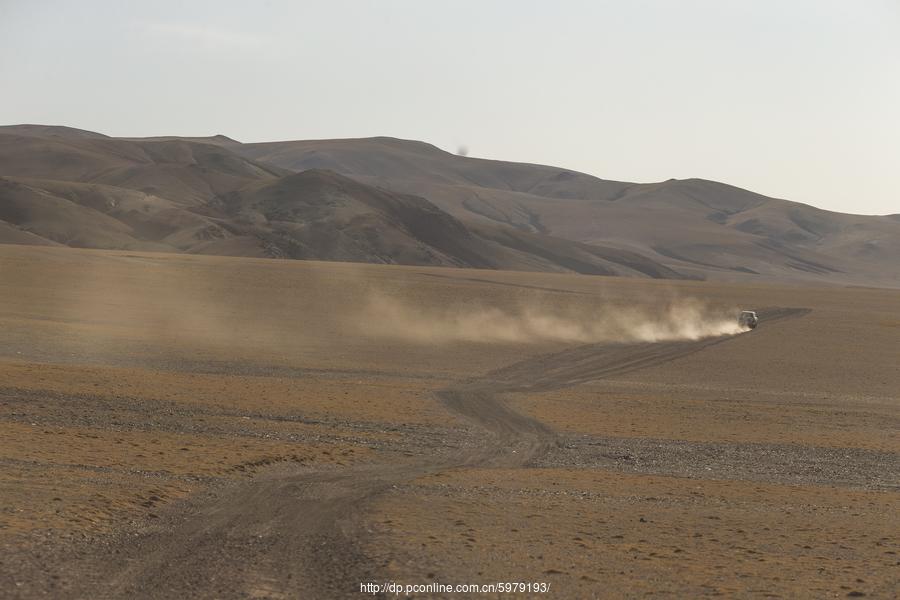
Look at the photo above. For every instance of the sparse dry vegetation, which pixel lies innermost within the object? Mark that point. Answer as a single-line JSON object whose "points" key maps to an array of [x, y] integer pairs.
{"points": [[178, 425]]}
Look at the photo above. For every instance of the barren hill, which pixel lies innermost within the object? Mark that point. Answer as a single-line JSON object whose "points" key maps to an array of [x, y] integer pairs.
{"points": [[700, 227], [59, 131], [395, 201], [178, 195], [320, 214]]}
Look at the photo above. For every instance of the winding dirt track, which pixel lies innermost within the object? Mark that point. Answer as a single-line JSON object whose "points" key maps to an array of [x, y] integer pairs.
{"points": [[295, 535]]}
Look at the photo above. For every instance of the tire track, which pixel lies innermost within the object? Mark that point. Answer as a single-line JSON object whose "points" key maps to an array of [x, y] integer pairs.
{"points": [[591, 362], [296, 535]]}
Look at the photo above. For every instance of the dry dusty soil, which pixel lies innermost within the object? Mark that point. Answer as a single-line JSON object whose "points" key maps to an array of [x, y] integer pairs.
{"points": [[181, 426]]}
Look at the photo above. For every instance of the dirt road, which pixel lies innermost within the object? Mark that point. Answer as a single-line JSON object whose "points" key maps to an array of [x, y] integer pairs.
{"points": [[296, 534]]}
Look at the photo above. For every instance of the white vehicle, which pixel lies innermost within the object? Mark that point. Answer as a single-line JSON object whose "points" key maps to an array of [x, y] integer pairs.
{"points": [[748, 319]]}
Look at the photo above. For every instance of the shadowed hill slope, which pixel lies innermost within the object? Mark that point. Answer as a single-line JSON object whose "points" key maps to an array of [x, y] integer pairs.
{"points": [[178, 195], [320, 214], [704, 228]]}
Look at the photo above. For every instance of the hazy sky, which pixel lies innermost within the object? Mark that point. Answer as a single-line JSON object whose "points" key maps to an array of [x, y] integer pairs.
{"points": [[797, 99]]}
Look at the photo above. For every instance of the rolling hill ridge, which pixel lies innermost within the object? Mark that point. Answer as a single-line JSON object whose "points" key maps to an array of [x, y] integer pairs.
{"points": [[404, 202]]}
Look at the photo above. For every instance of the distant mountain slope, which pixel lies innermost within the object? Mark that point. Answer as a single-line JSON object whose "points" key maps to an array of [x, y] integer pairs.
{"points": [[10, 234], [411, 203], [187, 173], [102, 216], [184, 196], [389, 159], [50, 131], [56, 219], [215, 140], [700, 227], [320, 214]]}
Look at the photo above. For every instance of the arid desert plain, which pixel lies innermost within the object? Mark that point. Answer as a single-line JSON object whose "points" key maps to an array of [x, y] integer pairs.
{"points": [[176, 426]]}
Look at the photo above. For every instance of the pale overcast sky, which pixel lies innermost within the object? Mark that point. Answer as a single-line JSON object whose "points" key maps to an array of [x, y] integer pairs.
{"points": [[797, 99]]}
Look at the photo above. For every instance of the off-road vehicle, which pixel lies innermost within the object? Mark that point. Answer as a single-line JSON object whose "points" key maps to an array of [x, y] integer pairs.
{"points": [[748, 319]]}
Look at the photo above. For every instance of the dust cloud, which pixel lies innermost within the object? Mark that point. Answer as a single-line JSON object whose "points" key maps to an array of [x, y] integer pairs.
{"points": [[125, 308], [535, 321]]}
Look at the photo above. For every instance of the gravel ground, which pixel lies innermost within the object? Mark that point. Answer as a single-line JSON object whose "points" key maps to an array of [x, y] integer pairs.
{"points": [[772, 463]]}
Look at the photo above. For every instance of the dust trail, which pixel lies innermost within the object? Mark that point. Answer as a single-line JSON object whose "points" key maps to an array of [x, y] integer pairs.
{"points": [[536, 321]]}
